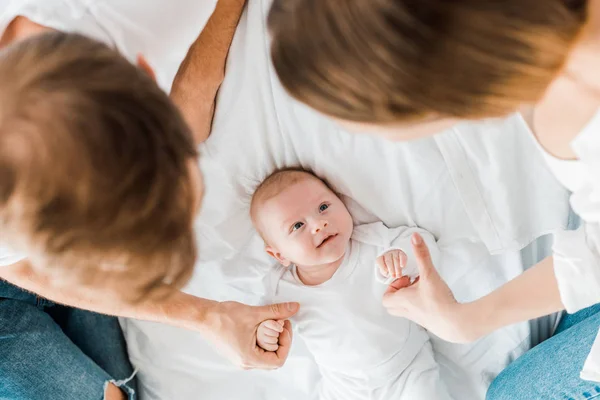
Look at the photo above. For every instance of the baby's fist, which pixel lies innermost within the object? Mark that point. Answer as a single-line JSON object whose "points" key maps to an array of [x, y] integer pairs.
{"points": [[391, 263], [267, 335]]}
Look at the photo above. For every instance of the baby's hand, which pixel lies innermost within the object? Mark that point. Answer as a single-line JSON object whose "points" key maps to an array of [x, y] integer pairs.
{"points": [[267, 335], [391, 263]]}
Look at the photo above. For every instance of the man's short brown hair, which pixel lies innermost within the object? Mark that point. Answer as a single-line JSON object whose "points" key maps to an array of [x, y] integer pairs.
{"points": [[386, 61], [94, 167]]}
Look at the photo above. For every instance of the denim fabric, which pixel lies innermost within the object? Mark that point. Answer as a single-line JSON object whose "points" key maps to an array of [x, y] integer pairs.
{"points": [[550, 371], [49, 351]]}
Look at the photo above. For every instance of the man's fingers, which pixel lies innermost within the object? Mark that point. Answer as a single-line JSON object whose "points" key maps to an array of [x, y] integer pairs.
{"points": [[268, 346], [285, 338], [277, 311], [285, 342], [422, 256]]}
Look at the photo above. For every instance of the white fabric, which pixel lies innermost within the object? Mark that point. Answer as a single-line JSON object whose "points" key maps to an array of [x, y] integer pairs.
{"points": [[487, 198], [360, 349], [158, 30], [421, 381], [577, 253], [497, 193]]}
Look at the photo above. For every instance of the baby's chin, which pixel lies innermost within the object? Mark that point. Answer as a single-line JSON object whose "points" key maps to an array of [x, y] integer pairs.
{"points": [[330, 258]]}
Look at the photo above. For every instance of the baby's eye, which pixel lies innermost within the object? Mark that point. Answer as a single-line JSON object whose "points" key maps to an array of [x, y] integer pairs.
{"points": [[323, 207], [297, 226]]}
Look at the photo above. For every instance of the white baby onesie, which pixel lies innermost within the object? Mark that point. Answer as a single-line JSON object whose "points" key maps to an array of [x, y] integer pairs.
{"points": [[362, 351]]}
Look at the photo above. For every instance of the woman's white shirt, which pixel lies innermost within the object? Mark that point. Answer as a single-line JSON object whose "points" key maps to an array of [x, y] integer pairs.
{"points": [[577, 253]]}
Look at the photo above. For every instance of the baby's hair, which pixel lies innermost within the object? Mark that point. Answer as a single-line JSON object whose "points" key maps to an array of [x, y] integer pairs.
{"points": [[274, 184]]}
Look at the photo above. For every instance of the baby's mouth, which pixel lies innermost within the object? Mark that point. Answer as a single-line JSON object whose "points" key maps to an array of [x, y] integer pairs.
{"points": [[327, 239]]}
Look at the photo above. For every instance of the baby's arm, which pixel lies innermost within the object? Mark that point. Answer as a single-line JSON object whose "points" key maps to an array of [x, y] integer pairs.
{"points": [[267, 335]]}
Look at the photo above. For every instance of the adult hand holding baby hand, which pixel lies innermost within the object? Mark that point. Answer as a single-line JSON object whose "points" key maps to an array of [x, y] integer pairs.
{"points": [[268, 334], [429, 301], [234, 328]]}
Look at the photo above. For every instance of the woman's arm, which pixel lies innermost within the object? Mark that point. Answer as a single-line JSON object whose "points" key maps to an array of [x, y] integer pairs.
{"points": [[202, 71], [532, 294], [430, 302], [229, 325]]}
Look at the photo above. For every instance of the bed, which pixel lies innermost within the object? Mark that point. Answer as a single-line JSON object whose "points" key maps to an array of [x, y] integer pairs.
{"points": [[480, 188]]}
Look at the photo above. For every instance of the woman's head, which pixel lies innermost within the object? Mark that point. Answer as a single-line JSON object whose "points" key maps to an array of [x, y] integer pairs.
{"points": [[401, 63]]}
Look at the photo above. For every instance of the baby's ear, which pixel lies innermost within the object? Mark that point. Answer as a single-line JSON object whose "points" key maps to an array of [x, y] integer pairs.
{"points": [[276, 255]]}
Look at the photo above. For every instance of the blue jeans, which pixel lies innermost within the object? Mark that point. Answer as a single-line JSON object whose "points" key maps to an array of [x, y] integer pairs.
{"points": [[49, 351], [551, 369]]}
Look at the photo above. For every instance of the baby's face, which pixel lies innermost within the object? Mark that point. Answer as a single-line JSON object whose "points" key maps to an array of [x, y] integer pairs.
{"points": [[306, 224]]}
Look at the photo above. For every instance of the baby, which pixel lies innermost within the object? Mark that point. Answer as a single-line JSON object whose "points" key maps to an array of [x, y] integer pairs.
{"points": [[329, 266]]}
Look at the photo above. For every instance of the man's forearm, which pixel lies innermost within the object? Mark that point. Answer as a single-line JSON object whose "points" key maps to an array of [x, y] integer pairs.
{"points": [[532, 294], [180, 309], [202, 71]]}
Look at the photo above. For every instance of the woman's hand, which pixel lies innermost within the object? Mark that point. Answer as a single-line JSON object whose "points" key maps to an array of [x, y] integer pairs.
{"points": [[428, 302]]}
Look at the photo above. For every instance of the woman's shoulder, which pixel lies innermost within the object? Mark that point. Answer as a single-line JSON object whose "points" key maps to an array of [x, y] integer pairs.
{"points": [[562, 116]]}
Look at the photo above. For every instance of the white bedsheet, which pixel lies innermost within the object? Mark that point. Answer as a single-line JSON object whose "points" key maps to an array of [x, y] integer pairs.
{"points": [[499, 198]]}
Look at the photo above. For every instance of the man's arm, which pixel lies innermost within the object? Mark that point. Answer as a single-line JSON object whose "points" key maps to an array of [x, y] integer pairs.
{"points": [[202, 71], [231, 326]]}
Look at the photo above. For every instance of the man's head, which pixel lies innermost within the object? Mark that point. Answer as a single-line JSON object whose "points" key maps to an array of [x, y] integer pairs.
{"points": [[97, 178], [301, 220], [410, 68]]}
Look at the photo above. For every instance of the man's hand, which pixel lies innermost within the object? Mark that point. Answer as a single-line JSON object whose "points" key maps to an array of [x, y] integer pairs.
{"points": [[428, 302], [391, 263], [234, 327]]}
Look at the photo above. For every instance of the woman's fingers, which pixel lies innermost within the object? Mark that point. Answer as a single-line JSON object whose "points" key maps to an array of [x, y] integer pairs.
{"points": [[401, 283], [422, 256]]}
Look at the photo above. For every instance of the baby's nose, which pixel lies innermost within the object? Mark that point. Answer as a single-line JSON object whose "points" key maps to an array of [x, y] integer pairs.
{"points": [[319, 226]]}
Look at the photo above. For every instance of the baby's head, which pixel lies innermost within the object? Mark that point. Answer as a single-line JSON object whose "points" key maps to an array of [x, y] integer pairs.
{"points": [[301, 220]]}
